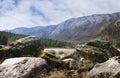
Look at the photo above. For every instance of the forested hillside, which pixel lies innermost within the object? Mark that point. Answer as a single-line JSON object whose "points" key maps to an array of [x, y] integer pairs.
{"points": [[55, 43], [7, 37]]}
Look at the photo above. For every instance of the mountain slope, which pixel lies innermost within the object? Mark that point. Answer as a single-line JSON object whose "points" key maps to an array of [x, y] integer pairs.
{"points": [[112, 31], [85, 28], [39, 31], [75, 29]]}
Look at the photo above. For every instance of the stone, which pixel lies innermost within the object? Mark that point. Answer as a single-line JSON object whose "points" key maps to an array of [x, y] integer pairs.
{"points": [[23, 67], [28, 46], [93, 52], [105, 46], [108, 69], [60, 52], [5, 52], [1, 46], [98, 51], [71, 63], [59, 57], [52, 60]]}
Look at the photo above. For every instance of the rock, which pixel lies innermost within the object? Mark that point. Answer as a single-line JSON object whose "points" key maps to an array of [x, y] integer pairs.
{"points": [[24, 67], [49, 57], [5, 52], [71, 63], [93, 52], [60, 52], [28, 46], [98, 51], [108, 69], [1, 46], [85, 65], [59, 56], [52, 60], [106, 46]]}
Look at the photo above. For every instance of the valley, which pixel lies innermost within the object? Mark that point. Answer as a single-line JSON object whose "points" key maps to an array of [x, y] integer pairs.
{"points": [[59, 38], [85, 47]]}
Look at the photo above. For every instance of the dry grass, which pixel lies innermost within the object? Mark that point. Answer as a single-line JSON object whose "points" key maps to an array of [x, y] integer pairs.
{"points": [[59, 74], [62, 74]]}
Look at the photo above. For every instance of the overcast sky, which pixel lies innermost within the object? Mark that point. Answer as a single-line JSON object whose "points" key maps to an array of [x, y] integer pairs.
{"points": [[30, 13]]}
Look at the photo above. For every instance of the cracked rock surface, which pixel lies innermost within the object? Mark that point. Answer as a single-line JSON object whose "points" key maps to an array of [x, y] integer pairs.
{"points": [[24, 67]]}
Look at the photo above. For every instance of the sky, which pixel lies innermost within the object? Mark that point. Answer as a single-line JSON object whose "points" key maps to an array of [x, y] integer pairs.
{"points": [[30, 13]]}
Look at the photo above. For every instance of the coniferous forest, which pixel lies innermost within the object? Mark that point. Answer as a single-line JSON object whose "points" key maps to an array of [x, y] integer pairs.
{"points": [[7, 37]]}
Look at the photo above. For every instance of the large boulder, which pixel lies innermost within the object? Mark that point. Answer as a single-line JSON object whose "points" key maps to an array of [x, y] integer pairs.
{"points": [[28, 46], [108, 69], [59, 56], [61, 52], [24, 67], [98, 51], [106, 46], [93, 52]]}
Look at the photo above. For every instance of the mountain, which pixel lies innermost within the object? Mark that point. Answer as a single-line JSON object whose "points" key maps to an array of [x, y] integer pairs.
{"points": [[112, 31], [75, 29], [40, 31]]}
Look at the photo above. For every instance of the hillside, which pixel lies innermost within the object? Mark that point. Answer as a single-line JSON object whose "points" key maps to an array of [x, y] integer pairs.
{"points": [[79, 29], [6, 37], [112, 31]]}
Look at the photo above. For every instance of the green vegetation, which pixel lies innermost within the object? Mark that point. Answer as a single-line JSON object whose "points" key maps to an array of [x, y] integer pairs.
{"points": [[55, 43], [6, 37]]}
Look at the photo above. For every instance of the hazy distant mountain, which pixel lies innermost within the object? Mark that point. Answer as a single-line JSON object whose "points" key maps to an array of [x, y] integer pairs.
{"points": [[39, 31], [75, 29]]}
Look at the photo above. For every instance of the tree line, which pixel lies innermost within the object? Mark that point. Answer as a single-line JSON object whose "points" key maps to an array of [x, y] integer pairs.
{"points": [[54, 43], [7, 37]]}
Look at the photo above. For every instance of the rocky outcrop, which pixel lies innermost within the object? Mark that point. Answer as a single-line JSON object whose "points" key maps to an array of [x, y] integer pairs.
{"points": [[98, 51], [28, 46], [108, 69], [89, 59], [106, 46], [61, 52], [85, 56], [94, 52], [25, 67]]}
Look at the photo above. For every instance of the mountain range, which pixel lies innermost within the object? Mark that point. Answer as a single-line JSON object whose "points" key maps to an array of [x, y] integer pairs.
{"points": [[76, 29]]}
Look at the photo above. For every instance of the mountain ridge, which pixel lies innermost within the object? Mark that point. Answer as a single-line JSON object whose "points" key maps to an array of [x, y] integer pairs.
{"points": [[75, 29]]}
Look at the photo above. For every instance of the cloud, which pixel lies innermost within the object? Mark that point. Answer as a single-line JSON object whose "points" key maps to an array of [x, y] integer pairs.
{"points": [[29, 13]]}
